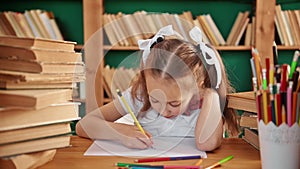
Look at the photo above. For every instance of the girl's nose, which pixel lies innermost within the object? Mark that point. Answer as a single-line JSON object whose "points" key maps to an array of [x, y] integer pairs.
{"points": [[167, 113]]}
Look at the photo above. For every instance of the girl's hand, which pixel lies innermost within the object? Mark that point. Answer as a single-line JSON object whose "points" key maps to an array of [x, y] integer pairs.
{"points": [[194, 104], [132, 137]]}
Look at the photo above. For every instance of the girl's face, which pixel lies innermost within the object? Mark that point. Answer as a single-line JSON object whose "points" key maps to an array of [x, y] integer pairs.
{"points": [[166, 97]]}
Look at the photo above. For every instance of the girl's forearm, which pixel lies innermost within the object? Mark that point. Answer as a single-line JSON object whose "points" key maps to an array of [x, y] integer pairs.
{"points": [[208, 131], [94, 127]]}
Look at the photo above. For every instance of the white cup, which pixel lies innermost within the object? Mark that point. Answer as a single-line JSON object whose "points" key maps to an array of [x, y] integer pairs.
{"points": [[279, 146]]}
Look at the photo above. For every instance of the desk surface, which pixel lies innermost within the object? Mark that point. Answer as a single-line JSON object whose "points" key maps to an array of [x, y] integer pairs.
{"points": [[245, 156]]}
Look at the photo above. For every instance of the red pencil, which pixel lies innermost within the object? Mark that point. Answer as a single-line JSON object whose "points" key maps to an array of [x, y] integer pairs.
{"points": [[278, 105], [283, 85]]}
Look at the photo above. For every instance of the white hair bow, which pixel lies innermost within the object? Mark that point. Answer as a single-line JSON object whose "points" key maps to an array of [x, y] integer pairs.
{"points": [[196, 35], [146, 44]]}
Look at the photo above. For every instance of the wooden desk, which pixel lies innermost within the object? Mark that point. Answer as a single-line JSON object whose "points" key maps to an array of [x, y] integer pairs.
{"points": [[245, 156]]}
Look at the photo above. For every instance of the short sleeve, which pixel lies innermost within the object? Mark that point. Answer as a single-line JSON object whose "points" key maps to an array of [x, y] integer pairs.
{"points": [[135, 105]]}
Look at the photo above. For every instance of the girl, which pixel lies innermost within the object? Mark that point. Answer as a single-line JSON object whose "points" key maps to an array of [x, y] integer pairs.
{"points": [[180, 91]]}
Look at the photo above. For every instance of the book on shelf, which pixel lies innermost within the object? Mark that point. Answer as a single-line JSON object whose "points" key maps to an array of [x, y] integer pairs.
{"points": [[249, 120], [38, 43], [287, 25], [32, 23], [238, 28], [117, 78], [242, 101], [13, 118], [34, 99], [41, 67], [34, 145], [126, 29], [248, 35], [209, 33], [28, 160], [41, 55], [251, 136]]}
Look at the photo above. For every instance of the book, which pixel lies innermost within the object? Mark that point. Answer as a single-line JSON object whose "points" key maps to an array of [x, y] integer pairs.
{"points": [[36, 85], [29, 133], [39, 54], [247, 40], [41, 67], [28, 160], [240, 29], [37, 43], [242, 101], [251, 136], [34, 99], [16, 77], [12, 118], [34, 145], [234, 28], [249, 120]]}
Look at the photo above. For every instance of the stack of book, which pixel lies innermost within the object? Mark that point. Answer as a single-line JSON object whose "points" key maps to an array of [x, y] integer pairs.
{"points": [[37, 78], [246, 103], [32, 23]]}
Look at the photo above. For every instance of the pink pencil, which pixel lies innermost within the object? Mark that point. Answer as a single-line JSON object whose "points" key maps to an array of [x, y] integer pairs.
{"points": [[289, 103]]}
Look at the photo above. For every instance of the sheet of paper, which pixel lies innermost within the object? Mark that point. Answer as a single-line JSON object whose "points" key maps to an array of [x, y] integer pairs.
{"points": [[162, 147]]}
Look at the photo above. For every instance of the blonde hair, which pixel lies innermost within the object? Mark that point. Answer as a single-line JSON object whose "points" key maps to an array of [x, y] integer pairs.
{"points": [[174, 58]]}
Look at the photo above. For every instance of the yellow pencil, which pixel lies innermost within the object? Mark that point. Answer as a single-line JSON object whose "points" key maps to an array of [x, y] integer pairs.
{"points": [[199, 162], [131, 113]]}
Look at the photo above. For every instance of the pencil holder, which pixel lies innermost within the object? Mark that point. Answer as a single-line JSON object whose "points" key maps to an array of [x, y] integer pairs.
{"points": [[279, 145]]}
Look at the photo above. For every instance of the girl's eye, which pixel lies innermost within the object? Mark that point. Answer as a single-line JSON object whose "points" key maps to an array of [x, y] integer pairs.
{"points": [[153, 100], [175, 104]]}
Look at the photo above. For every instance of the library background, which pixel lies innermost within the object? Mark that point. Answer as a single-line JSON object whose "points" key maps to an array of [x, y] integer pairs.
{"points": [[232, 26]]}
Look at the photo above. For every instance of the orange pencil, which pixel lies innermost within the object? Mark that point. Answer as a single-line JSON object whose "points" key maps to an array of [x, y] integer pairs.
{"points": [[283, 113]]}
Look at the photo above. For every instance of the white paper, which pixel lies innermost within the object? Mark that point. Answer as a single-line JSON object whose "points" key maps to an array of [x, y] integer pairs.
{"points": [[162, 147]]}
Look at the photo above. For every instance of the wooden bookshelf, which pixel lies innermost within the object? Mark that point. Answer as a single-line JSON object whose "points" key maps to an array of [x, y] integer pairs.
{"points": [[93, 10]]}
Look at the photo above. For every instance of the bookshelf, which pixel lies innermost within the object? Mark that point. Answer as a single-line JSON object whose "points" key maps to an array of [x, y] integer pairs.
{"points": [[68, 15], [233, 56]]}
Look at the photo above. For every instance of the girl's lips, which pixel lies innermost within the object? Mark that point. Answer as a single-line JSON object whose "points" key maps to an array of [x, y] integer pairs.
{"points": [[169, 117]]}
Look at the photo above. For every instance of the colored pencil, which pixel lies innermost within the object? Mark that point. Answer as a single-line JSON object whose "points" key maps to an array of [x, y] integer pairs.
{"points": [[278, 106], [294, 107], [220, 162], [143, 160], [166, 167], [283, 78], [275, 53], [289, 103], [131, 112], [265, 106], [199, 162], [294, 63]]}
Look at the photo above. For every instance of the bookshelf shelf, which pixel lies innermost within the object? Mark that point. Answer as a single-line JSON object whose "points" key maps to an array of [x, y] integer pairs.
{"points": [[280, 47]]}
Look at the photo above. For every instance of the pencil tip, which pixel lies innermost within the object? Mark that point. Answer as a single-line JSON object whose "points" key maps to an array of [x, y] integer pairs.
{"points": [[119, 92]]}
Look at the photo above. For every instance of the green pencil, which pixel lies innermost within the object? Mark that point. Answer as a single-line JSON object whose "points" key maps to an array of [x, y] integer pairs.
{"points": [[220, 162]]}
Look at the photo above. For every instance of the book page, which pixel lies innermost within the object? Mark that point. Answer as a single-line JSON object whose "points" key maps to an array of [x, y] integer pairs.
{"points": [[162, 147]]}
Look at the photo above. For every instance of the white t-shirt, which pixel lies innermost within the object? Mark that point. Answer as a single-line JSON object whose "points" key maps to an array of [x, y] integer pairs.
{"points": [[157, 125]]}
